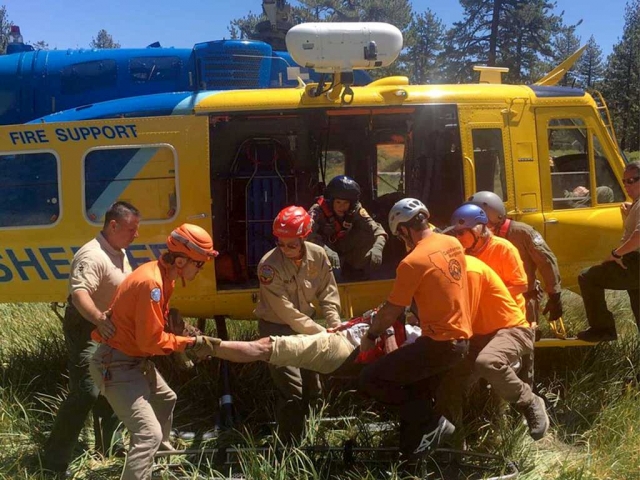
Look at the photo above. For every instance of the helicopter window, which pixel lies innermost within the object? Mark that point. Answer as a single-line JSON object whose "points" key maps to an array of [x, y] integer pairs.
{"points": [[154, 69], [607, 186], [569, 162], [333, 161], [144, 176], [82, 77], [390, 157], [488, 159], [30, 189]]}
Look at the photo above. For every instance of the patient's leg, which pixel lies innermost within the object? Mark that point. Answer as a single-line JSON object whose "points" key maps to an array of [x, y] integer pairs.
{"points": [[245, 352]]}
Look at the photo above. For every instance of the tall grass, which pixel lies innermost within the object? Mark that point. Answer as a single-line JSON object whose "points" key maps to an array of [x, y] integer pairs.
{"points": [[593, 396]]}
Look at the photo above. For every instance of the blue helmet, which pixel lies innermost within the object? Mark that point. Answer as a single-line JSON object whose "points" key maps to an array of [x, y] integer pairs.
{"points": [[468, 216], [344, 188]]}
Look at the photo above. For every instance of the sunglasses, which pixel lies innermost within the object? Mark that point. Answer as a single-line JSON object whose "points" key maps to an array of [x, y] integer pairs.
{"points": [[289, 246], [630, 181], [198, 264], [459, 233]]}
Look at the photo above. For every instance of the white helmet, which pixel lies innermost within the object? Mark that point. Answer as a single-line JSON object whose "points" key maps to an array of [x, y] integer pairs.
{"points": [[404, 211]]}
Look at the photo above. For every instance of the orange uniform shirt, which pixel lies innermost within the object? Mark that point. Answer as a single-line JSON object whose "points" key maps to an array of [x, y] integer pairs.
{"points": [[491, 305], [434, 275], [503, 257], [139, 312]]}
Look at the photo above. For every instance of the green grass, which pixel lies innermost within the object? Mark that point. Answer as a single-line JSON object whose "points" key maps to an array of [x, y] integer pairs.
{"points": [[633, 156], [593, 395]]}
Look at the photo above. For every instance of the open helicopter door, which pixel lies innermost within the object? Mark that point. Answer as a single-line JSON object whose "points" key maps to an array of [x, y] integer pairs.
{"points": [[262, 183]]}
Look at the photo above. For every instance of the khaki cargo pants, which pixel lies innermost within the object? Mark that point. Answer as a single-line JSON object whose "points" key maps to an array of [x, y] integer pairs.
{"points": [[490, 357], [141, 399]]}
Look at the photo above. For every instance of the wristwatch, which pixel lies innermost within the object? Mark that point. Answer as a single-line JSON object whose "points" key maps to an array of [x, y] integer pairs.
{"points": [[390, 332], [614, 254]]}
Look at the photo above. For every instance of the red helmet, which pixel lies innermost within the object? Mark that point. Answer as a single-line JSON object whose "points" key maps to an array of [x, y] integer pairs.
{"points": [[292, 222], [192, 241]]}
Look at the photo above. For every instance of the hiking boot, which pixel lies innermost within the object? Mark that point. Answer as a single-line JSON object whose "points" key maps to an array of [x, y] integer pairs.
{"points": [[432, 439], [598, 335], [537, 419]]}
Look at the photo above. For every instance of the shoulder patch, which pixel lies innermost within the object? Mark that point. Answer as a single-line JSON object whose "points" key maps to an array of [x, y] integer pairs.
{"points": [[537, 238], [156, 294], [364, 213], [266, 274]]}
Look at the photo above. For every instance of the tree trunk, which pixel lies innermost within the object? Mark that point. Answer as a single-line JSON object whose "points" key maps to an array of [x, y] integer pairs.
{"points": [[493, 39]]}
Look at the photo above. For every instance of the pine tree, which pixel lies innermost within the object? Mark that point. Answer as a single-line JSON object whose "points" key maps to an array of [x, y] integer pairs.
{"points": [[590, 67], [424, 45], [511, 33], [103, 40], [40, 45], [565, 43], [621, 86], [5, 29]]}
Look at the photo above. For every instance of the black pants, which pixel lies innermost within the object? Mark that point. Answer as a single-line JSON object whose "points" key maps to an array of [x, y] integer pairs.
{"points": [[405, 378], [83, 397], [610, 276]]}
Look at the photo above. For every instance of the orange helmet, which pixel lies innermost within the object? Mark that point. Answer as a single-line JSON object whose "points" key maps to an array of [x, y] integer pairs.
{"points": [[192, 241], [292, 222]]}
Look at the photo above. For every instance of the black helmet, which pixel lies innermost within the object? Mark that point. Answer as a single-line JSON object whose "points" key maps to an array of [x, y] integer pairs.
{"points": [[344, 188]]}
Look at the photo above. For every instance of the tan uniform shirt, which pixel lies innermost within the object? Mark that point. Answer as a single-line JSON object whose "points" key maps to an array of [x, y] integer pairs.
{"points": [[286, 291], [632, 222], [536, 255], [98, 268]]}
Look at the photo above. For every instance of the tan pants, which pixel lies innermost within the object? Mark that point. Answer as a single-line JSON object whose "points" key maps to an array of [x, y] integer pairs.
{"points": [[490, 357], [323, 352], [142, 400], [495, 360]]}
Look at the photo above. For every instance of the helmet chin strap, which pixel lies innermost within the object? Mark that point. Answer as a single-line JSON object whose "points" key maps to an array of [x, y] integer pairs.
{"points": [[472, 248], [180, 271], [408, 241]]}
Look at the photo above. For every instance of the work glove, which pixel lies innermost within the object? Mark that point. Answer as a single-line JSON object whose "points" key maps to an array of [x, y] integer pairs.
{"points": [[203, 347], [334, 258], [375, 254], [182, 361], [553, 307], [375, 257]]}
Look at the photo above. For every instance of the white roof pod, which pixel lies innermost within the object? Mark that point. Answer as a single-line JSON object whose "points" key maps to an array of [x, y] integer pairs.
{"points": [[343, 47]]}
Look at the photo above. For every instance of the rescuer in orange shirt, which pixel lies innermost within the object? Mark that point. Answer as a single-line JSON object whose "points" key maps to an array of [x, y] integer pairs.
{"points": [[121, 365], [469, 225], [501, 337], [433, 276]]}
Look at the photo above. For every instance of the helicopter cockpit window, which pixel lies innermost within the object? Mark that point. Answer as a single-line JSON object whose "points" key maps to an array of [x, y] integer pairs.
{"points": [[30, 192], [154, 69], [607, 187], [144, 176], [570, 167], [86, 76], [488, 153]]}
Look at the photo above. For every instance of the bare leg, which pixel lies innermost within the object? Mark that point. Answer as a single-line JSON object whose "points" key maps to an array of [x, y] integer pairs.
{"points": [[245, 352]]}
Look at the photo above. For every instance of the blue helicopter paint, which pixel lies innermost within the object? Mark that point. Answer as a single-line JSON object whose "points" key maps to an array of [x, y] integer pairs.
{"points": [[40, 83]]}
